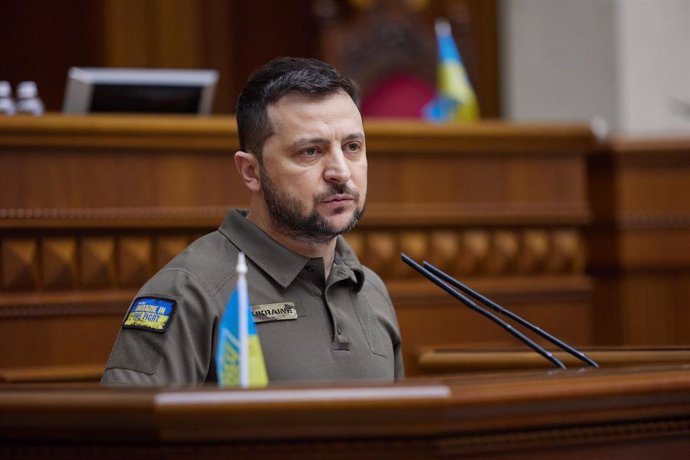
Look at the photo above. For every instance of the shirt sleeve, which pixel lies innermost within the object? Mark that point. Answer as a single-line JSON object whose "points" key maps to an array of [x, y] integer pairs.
{"points": [[180, 354]]}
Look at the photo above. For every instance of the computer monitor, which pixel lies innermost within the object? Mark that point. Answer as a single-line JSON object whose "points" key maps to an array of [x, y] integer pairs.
{"points": [[91, 89]]}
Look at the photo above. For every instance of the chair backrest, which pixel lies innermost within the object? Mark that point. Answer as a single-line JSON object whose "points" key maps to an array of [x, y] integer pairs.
{"points": [[388, 48]]}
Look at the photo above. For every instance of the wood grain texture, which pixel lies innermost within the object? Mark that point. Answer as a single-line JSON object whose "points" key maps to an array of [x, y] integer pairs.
{"points": [[628, 412], [94, 205], [640, 240]]}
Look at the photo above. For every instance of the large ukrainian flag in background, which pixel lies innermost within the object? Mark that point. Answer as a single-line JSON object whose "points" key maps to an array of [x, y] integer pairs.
{"points": [[239, 358], [455, 100]]}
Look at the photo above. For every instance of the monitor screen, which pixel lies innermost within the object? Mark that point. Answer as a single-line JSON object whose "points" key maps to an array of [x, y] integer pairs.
{"points": [[90, 90]]}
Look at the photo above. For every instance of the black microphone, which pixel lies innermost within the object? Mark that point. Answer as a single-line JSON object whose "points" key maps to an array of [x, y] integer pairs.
{"points": [[505, 325], [504, 311]]}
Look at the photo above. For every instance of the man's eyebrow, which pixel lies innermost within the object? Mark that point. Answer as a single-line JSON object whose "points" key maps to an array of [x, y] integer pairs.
{"points": [[306, 141], [357, 136]]}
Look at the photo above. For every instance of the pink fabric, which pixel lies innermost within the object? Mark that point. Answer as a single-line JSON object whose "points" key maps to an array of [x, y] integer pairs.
{"points": [[398, 96]]}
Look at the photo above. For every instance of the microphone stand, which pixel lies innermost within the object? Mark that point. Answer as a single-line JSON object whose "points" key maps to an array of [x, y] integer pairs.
{"points": [[502, 310], [505, 325]]}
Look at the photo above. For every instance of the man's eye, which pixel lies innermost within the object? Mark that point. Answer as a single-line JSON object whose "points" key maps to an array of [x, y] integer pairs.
{"points": [[353, 147], [310, 152]]}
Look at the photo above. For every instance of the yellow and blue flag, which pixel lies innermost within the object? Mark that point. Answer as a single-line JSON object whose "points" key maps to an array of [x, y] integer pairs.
{"points": [[239, 358], [455, 99]]}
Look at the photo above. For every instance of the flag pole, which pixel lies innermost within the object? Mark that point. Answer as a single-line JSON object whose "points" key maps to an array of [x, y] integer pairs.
{"points": [[243, 329]]}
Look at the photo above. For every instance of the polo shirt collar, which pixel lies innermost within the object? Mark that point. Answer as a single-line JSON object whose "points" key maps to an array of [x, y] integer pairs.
{"points": [[280, 263], [346, 255]]}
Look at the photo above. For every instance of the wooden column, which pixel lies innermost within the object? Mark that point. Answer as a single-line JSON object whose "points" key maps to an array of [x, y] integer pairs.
{"points": [[640, 241]]}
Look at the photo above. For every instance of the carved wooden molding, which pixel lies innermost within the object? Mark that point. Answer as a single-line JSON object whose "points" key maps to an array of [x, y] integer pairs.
{"points": [[377, 214], [474, 252], [177, 216], [85, 260], [654, 221], [104, 259], [65, 303]]}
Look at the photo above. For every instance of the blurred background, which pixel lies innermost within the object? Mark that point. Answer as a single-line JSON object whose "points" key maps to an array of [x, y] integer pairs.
{"points": [[622, 62]]}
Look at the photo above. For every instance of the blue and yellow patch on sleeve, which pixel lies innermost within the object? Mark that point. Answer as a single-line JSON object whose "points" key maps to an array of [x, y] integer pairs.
{"points": [[150, 313]]}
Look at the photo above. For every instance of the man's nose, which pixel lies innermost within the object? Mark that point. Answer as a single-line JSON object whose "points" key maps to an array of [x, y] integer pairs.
{"points": [[337, 167]]}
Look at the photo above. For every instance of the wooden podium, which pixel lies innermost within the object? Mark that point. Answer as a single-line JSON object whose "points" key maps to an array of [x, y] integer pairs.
{"points": [[616, 413]]}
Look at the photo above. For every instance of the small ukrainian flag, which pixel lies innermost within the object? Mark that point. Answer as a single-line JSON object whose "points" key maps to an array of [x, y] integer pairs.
{"points": [[239, 358], [455, 100]]}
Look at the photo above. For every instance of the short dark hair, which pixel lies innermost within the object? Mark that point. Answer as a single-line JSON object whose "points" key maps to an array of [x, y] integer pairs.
{"points": [[276, 79]]}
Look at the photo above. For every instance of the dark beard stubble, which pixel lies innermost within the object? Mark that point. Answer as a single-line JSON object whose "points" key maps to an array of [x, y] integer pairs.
{"points": [[288, 217]]}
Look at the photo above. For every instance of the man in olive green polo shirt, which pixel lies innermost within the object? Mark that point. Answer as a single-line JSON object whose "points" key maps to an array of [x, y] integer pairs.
{"points": [[320, 315]]}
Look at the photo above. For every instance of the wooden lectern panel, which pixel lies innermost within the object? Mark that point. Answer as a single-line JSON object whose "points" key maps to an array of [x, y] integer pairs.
{"points": [[632, 413]]}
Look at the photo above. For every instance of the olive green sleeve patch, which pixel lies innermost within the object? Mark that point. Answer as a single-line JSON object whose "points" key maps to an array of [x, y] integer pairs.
{"points": [[150, 314]]}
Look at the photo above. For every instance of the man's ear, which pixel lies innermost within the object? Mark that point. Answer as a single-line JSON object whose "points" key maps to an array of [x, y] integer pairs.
{"points": [[248, 167]]}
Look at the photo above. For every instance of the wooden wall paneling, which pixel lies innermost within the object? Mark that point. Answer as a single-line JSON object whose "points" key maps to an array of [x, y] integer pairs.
{"points": [[20, 264], [40, 40], [59, 262], [97, 261], [488, 83], [127, 42], [155, 33], [217, 51], [656, 308], [58, 340], [266, 29], [182, 161], [134, 260], [91, 202], [640, 243], [59, 327], [106, 200], [178, 36]]}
